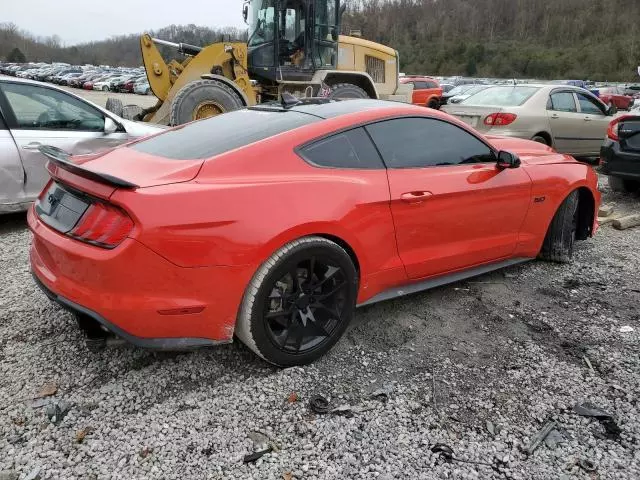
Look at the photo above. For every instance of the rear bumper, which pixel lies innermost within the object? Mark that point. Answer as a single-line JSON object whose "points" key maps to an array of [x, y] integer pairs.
{"points": [[151, 343], [137, 294], [617, 163]]}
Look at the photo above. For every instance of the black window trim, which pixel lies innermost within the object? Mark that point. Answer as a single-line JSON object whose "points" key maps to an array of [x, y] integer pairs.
{"points": [[588, 94], [12, 120], [563, 90], [298, 149]]}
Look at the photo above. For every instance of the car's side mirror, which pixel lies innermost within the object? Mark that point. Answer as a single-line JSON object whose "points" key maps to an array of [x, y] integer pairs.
{"points": [[110, 126], [507, 160], [612, 110]]}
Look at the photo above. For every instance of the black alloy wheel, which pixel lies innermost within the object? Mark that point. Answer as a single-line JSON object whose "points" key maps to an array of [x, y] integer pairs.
{"points": [[306, 305]]}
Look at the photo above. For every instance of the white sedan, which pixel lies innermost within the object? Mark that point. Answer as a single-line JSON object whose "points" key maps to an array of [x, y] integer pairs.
{"points": [[33, 114]]}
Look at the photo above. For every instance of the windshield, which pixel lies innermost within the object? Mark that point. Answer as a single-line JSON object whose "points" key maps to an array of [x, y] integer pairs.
{"points": [[501, 96], [261, 26], [459, 90], [475, 89]]}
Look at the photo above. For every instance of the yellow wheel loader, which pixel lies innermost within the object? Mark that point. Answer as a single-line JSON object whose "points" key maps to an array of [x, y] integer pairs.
{"points": [[294, 46]]}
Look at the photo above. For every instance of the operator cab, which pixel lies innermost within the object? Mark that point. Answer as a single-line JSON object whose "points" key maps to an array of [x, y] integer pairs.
{"points": [[290, 39]]}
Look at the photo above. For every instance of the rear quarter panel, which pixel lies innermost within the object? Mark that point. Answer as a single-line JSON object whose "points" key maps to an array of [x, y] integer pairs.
{"points": [[553, 177], [224, 218]]}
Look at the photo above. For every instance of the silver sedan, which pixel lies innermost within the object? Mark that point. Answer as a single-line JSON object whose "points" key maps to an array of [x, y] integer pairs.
{"points": [[34, 114], [570, 119]]}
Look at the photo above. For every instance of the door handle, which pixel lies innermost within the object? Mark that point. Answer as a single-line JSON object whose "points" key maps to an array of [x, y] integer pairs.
{"points": [[415, 197], [32, 146], [555, 116]]}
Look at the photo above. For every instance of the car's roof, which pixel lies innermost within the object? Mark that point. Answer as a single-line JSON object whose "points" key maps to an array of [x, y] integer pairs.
{"points": [[339, 108]]}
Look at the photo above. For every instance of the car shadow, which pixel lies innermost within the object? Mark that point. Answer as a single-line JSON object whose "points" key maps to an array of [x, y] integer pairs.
{"points": [[13, 222]]}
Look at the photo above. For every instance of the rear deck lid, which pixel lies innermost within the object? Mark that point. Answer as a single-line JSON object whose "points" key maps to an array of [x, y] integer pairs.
{"points": [[124, 167]]}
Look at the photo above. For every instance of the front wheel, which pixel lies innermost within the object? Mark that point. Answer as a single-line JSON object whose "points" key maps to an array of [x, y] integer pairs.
{"points": [[561, 235], [345, 91], [299, 302]]}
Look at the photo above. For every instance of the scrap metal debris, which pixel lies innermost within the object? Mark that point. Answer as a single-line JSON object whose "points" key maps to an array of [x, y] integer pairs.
{"points": [[446, 452], [540, 436], [252, 457], [554, 439], [588, 409], [382, 393], [319, 404], [293, 397], [57, 411], [587, 465]]}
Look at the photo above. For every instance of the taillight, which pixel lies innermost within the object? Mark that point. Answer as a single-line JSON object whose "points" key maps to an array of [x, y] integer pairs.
{"points": [[103, 225], [500, 119], [612, 131]]}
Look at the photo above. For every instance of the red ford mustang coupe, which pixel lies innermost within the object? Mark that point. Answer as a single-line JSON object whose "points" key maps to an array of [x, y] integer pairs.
{"points": [[274, 222]]}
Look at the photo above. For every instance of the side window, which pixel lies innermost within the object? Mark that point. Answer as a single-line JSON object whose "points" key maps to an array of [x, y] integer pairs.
{"points": [[431, 84], [589, 105], [420, 85], [563, 102], [426, 142], [350, 149], [39, 108]]}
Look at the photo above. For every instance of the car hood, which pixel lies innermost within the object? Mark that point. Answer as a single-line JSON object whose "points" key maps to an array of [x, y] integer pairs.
{"points": [[530, 152]]}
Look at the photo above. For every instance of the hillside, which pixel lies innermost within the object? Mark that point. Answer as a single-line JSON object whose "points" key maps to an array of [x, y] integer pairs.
{"points": [[122, 50], [587, 39]]}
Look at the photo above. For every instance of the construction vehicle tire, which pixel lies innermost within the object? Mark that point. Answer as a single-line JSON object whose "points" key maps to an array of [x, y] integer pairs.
{"points": [[202, 99], [342, 91], [114, 105]]}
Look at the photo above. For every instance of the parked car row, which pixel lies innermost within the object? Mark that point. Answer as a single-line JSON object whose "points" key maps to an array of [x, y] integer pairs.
{"points": [[88, 77]]}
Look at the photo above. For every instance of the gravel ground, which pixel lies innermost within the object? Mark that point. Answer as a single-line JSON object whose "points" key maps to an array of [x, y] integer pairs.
{"points": [[481, 366]]}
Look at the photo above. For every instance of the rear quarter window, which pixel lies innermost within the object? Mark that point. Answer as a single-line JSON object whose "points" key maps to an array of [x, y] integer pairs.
{"points": [[213, 136], [351, 149]]}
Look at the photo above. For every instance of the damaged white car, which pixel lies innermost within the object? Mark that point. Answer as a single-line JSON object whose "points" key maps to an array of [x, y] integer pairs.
{"points": [[33, 114]]}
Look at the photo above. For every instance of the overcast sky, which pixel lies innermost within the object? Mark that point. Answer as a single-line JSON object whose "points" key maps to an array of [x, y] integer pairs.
{"points": [[77, 21]]}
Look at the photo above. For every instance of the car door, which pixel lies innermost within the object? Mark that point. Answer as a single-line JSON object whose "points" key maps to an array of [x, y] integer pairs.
{"points": [[38, 115], [595, 121], [420, 93], [452, 207], [11, 173], [566, 122]]}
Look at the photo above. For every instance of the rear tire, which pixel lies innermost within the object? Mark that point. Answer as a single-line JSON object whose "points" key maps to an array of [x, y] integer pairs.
{"points": [[561, 235], [105, 89], [433, 103], [203, 99], [345, 91], [624, 186], [291, 323], [114, 105]]}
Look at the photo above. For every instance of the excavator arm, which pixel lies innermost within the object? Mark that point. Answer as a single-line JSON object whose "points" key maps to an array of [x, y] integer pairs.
{"points": [[227, 60]]}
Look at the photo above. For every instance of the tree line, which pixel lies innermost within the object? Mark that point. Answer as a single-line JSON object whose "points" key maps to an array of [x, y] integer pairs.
{"points": [[123, 50], [580, 39]]}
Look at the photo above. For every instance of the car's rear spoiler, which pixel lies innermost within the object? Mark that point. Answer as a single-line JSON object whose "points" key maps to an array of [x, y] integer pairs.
{"points": [[61, 158]]}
